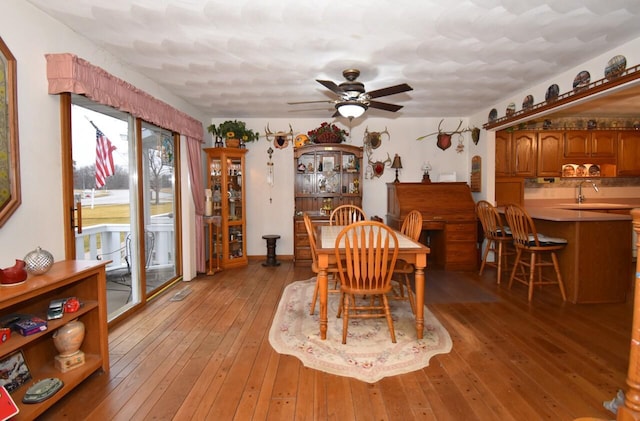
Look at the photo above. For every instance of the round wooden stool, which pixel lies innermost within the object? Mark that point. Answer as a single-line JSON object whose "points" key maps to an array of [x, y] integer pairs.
{"points": [[271, 250]]}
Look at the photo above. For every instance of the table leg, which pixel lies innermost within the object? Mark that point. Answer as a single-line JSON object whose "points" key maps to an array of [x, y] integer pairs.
{"points": [[419, 273], [323, 291]]}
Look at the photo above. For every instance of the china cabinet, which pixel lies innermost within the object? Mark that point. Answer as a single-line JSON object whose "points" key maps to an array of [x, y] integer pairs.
{"points": [[226, 182], [326, 176], [83, 279]]}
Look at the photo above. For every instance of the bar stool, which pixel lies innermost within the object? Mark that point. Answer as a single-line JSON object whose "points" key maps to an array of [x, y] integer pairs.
{"points": [[537, 247], [499, 238]]}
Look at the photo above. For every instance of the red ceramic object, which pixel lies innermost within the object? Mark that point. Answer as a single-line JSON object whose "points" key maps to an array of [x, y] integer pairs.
{"points": [[15, 274]]}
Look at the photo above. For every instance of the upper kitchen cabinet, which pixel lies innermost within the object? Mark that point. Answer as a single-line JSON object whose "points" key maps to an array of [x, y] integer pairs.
{"points": [[549, 154], [628, 153], [516, 154], [590, 144]]}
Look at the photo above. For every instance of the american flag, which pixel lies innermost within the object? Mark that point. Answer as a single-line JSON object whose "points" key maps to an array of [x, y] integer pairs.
{"points": [[104, 158]]}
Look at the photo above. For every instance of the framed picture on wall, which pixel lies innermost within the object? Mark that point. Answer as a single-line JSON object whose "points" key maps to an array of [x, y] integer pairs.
{"points": [[9, 157]]}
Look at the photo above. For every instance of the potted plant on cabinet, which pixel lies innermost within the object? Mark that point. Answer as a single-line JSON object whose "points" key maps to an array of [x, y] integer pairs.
{"points": [[234, 132]]}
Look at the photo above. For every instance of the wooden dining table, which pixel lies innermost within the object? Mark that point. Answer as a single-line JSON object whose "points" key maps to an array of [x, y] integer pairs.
{"points": [[409, 250]]}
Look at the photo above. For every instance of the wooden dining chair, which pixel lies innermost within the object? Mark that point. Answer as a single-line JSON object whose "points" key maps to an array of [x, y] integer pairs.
{"points": [[534, 251], [499, 238], [412, 228], [331, 271], [346, 214], [369, 250]]}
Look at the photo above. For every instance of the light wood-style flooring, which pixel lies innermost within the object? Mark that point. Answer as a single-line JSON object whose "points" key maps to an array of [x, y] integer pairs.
{"points": [[208, 357]]}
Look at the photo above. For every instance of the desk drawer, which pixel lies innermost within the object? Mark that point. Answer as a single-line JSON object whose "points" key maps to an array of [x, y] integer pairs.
{"points": [[461, 232]]}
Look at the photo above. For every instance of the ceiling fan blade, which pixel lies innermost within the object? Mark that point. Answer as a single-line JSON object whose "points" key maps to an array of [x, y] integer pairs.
{"points": [[391, 90], [331, 86], [309, 102], [384, 106], [301, 110]]}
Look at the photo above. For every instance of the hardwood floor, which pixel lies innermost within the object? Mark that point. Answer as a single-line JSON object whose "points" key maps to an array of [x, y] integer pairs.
{"points": [[208, 357]]}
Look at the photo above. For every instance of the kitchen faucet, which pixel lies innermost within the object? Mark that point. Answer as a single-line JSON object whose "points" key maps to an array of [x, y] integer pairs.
{"points": [[581, 197]]}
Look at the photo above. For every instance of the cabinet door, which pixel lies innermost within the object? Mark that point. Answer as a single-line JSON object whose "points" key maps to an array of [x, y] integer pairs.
{"points": [[604, 143], [629, 153], [576, 144], [503, 154], [524, 153], [549, 154]]}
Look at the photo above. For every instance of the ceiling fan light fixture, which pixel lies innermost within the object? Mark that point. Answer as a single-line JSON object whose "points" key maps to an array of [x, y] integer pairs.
{"points": [[351, 109]]}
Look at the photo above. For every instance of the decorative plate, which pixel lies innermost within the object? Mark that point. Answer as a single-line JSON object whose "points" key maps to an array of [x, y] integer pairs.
{"points": [[511, 109], [581, 80], [594, 171], [568, 170], [581, 170], [527, 102], [552, 92], [42, 390], [493, 114], [615, 67]]}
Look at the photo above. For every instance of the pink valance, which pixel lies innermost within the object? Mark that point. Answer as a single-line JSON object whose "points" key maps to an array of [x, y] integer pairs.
{"points": [[68, 73]]}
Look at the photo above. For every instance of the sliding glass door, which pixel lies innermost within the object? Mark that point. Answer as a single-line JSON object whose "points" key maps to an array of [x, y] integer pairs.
{"points": [[125, 201]]}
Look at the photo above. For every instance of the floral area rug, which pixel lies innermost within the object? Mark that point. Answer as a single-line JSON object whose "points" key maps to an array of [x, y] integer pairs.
{"points": [[369, 355]]}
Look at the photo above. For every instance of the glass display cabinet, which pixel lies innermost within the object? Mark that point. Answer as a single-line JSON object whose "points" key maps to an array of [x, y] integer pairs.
{"points": [[225, 181], [326, 176]]}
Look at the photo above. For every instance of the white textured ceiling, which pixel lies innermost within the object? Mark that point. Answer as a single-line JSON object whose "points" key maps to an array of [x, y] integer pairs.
{"points": [[248, 58]]}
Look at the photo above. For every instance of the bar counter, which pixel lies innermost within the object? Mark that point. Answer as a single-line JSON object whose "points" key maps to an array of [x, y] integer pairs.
{"points": [[596, 265]]}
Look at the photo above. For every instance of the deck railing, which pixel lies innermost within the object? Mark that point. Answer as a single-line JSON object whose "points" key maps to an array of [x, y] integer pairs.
{"points": [[107, 242]]}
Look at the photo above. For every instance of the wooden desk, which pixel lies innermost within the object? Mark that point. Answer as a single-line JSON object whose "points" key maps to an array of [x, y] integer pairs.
{"points": [[214, 248], [409, 250], [449, 221]]}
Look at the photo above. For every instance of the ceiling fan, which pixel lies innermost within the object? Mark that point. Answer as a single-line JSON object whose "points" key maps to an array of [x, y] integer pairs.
{"points": [[353, 100]]}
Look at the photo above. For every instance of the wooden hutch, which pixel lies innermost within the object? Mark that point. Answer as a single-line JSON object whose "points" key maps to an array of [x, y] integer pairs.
{"points": [[326, 176]]}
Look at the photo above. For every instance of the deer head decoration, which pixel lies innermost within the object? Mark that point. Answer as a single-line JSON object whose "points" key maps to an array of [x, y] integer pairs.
{"points": [[280, 139], [444, 138], [378, 166], [373, 140]]}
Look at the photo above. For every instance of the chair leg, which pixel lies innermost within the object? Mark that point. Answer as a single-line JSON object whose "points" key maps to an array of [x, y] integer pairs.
{"points": [[410, 295], [314, 298], [345, 317], [532, 274], [556, 266], [499, 261], [484, 256], [515, 267], [387, 312]]}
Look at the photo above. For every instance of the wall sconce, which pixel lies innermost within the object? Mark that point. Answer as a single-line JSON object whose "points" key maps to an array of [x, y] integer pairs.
{"points": [[397, 165]]}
